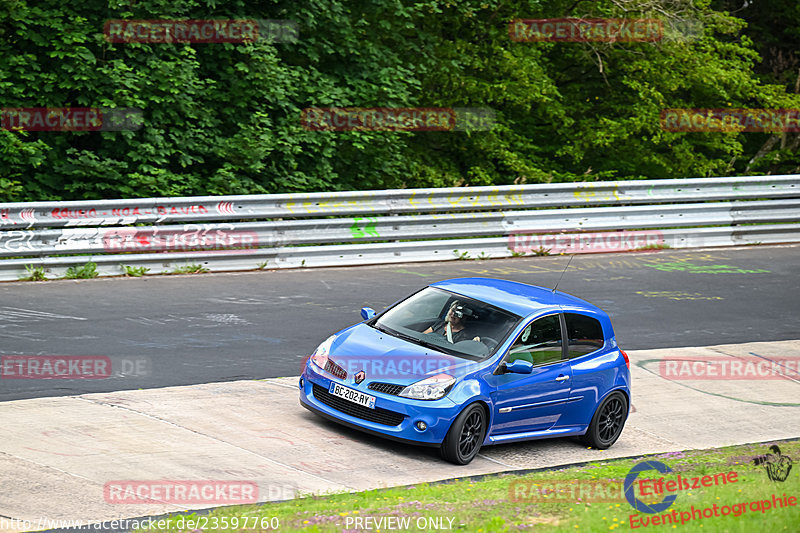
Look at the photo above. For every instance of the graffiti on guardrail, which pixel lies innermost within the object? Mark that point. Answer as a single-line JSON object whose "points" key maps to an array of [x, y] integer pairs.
{"points": [[589, 194], [359, 229], [358, 217], [190, 237], [29, 215], [161, 210], [153, 240], [17, 240]]}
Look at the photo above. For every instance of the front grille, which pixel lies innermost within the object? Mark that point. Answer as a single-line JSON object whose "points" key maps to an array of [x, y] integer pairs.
{"points": [[377, 415], [335, 369], [386, 388]]}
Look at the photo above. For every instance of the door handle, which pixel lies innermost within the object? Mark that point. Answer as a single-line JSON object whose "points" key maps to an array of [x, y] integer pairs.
{"points": [[562, 378]]}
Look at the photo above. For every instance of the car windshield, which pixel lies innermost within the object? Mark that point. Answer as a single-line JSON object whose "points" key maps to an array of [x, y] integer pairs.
{"points": [[449, 323]]}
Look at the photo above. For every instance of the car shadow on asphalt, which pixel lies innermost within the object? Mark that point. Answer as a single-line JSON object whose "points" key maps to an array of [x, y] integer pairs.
{"points": [[409, 451]]}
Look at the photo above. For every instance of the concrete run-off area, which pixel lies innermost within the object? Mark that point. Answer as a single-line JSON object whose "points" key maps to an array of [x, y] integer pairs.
{"points": [[62, 457]]}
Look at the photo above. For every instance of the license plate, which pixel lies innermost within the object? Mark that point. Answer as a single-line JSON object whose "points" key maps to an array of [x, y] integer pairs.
{"points": [[352, 395]]}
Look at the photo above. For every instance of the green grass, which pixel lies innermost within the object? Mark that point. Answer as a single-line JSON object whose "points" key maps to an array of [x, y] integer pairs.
{"points": [[87, 271], [542, 251], [34, 273], [190, 269], [485, 505], [652, 247], [134, 271]]}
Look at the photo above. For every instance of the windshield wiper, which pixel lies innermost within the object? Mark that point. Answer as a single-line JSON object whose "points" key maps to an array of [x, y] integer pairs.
{"points": [[435, 347]]}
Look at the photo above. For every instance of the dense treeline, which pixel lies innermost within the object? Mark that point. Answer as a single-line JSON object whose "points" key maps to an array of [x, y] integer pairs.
{"points": [[224, 118]]}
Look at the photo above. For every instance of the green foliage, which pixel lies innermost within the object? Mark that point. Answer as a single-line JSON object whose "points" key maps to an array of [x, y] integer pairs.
{"points": [[87, 271], [225, 118], [542, 251], [652, 247], [134, 271], [537, 501], [34, 273], [190, 268]]}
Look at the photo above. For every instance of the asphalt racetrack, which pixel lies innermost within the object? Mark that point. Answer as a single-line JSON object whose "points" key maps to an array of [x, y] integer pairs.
{"points": [[181, 330]]}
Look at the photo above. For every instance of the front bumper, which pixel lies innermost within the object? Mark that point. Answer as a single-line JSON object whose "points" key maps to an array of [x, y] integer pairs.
{"points": [[438, 415]]}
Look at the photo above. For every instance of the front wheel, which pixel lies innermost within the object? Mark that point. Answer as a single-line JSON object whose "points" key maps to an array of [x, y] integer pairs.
{"points": [[466, 435], [607, 422]]}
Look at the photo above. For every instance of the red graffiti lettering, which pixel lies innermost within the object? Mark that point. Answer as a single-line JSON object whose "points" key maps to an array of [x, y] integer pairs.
{"points": [[129, 239], [175, 210], [126, 212], [73, 213]]}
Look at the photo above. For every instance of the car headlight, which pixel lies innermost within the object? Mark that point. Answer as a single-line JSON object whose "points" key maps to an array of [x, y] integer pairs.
{"points": [[320, 355], [431, 388]]}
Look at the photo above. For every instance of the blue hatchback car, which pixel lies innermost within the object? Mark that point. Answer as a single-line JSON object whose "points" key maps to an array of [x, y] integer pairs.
{"points": [[470, 362]]}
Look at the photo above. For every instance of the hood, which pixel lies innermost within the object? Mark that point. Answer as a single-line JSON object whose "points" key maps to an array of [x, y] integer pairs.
{"points": [[384, 357]]}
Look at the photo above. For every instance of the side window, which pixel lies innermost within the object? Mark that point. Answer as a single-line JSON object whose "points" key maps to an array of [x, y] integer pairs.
{"points": [[585, 334], [539, 343]]}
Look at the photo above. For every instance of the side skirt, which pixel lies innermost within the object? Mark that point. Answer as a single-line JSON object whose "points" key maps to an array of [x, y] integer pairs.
{"points": [[568, 431]]}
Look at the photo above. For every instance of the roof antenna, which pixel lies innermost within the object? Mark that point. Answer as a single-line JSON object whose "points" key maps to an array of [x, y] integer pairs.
{"points": [[562, 273]]}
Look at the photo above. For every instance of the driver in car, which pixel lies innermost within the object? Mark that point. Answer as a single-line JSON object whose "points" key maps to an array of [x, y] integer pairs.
{"points": [[454, 326]]}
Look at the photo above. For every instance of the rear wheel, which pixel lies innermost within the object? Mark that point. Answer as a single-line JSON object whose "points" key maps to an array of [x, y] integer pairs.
{"points": [[607, 422], [465, 436]]}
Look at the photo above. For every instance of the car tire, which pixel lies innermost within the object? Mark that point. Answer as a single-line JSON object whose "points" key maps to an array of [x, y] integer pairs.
{"points": [[466, 435], [607, 422]]}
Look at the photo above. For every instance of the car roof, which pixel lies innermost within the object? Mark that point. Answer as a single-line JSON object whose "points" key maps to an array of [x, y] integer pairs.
{"points": [[519, 298]]}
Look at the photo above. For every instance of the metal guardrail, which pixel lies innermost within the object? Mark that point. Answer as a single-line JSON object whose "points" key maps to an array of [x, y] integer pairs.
{"points": [[211, 208], [295, 230]]}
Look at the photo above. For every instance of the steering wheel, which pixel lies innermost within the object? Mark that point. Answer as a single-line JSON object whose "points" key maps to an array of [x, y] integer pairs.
{"points": [[489, 342]]}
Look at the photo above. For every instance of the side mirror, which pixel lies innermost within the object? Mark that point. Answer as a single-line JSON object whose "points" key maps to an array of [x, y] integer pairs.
{"points": [[367, 313], [520, 366]]}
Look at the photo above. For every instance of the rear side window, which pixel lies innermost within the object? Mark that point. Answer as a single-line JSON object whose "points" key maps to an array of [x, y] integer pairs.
{"points": [[585, 334]]}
